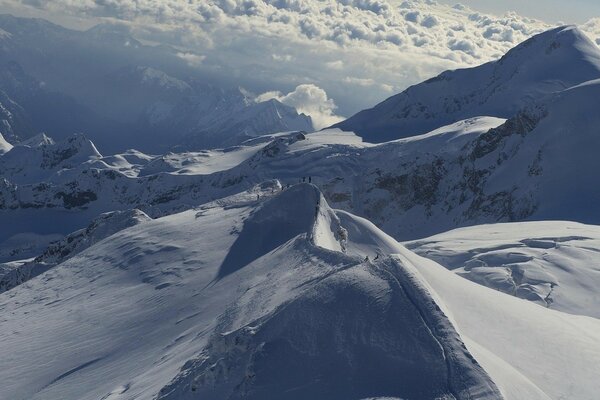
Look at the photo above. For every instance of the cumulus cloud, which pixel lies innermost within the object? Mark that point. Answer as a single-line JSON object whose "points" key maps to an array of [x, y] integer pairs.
{"points": [[194, 60], [336, 65], [265, 44], [310, 100]]}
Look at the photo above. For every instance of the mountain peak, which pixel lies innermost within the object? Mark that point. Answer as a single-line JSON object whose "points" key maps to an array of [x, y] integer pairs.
{"points": [[567, 44]]}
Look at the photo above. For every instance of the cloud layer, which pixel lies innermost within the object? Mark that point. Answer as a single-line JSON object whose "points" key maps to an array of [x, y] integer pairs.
{"points": [[355, 51]]}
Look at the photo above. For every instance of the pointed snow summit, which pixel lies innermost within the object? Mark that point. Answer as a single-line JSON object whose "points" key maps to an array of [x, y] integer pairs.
{"points": [[546, 63]]}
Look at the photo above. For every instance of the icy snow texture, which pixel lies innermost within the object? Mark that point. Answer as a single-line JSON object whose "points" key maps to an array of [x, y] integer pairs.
{"points": [[552, 263]]}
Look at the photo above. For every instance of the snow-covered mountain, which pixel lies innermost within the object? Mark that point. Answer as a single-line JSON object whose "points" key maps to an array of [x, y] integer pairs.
{"points": [[15, 273], [270, 268], [188, 305], [544, 64]]}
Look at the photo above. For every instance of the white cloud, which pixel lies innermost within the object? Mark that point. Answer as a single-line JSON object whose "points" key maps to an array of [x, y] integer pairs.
{"points": [[193, 60], [359, 81], [310, 100], [322, 41], [335, 65], [282, 57]]}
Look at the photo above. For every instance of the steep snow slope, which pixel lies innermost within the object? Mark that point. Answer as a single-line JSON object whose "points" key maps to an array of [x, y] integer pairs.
{"points": [[546, 63], [549, 262], [188, 304], [38, 140], [14, 123]]}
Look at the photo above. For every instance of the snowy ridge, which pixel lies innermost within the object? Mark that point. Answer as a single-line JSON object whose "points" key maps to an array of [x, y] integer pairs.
{"points": [[479, 170], [39, 159]]}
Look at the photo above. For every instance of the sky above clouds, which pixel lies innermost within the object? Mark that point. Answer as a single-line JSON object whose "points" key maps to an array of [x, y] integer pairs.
{"points": [[552, 11], [329, 58]]}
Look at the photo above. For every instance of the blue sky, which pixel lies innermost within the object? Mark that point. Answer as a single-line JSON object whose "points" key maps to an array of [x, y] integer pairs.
{"points": [[571, 12]]}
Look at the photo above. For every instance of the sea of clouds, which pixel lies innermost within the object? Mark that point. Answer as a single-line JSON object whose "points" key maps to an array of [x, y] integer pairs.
{"points": [[328, 58]]}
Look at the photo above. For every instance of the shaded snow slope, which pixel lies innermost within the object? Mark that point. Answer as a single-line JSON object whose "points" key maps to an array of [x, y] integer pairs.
{"points": [[29, 164], [544, 64], [148, 309], [552, 263]]}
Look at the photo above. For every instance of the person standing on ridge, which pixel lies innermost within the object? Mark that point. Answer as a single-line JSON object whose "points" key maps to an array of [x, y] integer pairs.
{"points": [[309, 179]]}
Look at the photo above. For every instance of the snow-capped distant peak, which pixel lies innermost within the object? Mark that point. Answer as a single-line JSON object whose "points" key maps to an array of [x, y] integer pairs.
{"points": [[41, 139]]}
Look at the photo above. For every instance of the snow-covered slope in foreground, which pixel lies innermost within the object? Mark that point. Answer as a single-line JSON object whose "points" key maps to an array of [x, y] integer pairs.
{"points": [[267, 294], [238, 299], [553, 263]]}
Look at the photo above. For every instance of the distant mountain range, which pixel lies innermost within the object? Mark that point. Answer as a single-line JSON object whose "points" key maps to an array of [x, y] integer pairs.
{"points": [[61, 82]]}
